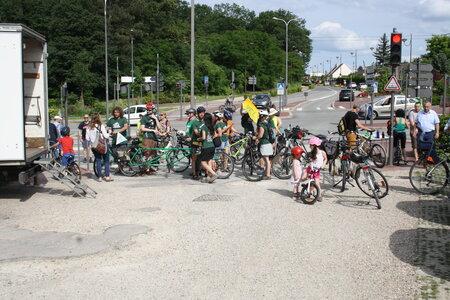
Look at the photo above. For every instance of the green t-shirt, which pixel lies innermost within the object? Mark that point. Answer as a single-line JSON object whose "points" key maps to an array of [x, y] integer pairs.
{"points": [[222, 125], [196, 124], [149, 123], [117, 124], [265, 137], [271, 123], [189, 128], [208, 142]]}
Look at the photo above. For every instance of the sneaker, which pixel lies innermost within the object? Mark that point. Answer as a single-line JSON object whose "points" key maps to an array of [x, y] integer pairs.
{"points": [[84, 160], [206, 180], [295, 196], [90, 160], [212, 178]]}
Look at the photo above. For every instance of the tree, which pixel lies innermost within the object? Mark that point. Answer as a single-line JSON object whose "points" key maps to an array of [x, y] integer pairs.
{"points": [[383, 51], [81, 75]]}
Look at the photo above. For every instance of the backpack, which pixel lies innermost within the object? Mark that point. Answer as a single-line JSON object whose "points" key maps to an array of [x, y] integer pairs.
{"points": [[331, 149], [271, 135], [342, 125]]}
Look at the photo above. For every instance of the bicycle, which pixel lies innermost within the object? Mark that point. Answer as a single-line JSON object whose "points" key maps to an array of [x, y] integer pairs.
{"points": [[238, 146], [398, 153], [345, 163], [372, 179], [72, 168], [375, 151], [251, 162], [428, 176], [310, 191]]}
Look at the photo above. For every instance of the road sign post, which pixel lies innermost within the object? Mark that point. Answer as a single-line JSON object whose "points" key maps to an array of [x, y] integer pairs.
{"points": [[372, 85]]}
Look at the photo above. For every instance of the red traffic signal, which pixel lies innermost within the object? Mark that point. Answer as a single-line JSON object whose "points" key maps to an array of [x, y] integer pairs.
{"points": [[389, 123], [389, 128], [396, 49]]}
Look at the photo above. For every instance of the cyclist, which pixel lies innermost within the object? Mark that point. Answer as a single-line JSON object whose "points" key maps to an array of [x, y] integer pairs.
{"points": [[262, 138], [93, 132], [351, 124], [207, 134], [66, 143], [246, 121], [400, 126], [275, 120], [318, 161], [296, 170], [150, 128], [196, 128]]}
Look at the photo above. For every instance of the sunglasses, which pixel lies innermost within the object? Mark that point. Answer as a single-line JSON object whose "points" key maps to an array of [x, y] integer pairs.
{"points": [[149, 109]]}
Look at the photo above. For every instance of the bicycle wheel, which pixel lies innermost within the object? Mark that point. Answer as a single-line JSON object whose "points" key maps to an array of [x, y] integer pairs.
{"points": [[95, 168], [378, 155], [374, 183], [125, 167], [74, 168], [428, 178], [179, 160], [225, 165], [251, 168], [282, 164], [309, 195]]}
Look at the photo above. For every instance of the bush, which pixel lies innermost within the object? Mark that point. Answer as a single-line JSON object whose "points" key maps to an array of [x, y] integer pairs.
{"points": [[53, 112], [444, 138]]}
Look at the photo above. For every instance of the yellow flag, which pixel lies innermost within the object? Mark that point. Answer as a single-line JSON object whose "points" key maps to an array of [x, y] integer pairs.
{"points": [[253, 112]]}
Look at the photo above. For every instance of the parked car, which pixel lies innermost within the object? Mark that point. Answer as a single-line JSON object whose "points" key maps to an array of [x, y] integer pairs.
{"points": [[362, 86], [346, 94], [135, 111], [352, 85], [382, 106], [262, 101]]}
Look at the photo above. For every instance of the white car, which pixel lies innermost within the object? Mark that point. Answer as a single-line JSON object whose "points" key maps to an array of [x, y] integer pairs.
{"points": [[362, 86], [135, 111], [382, 106]]}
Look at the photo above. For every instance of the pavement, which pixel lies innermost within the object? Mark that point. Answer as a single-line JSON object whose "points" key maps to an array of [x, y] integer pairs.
{"points": [[169, 237]]}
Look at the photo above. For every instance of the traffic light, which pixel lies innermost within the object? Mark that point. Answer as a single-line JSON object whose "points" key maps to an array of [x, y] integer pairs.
{"points": [[396, 49], [389, 128]]}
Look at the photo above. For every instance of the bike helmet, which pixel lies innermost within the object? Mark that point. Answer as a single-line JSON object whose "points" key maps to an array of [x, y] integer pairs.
{"points": [[297, 152], [200, 109], [218, 114], [181, 133], [190, 111], [65, 131], [263, 112], [315, 141], [227, 114], [150, 105]]}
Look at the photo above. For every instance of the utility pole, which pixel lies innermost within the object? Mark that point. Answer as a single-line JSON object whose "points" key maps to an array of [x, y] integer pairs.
{"points": [[157, 80], [193, 104]]}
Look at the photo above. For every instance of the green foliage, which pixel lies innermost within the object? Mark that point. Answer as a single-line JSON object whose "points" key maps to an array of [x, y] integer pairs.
{"points": [[52, 112], [229, 38], [444, 138], [383, 51]]}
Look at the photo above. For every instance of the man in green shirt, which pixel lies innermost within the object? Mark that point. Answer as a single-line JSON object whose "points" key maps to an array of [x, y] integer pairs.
{"points": [[149, 127], [190, 113], [196, 129], [118, 125]]}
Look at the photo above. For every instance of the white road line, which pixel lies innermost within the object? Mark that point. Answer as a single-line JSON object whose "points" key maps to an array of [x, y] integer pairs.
{"points": [[318, 108], [330, 108], [341, 107], [299, 109]]}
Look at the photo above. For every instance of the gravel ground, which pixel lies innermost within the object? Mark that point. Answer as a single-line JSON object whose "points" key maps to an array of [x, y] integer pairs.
{"points": [[251, 242]]}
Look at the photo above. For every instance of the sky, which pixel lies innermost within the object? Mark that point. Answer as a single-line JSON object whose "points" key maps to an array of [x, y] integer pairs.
{"points": [[341, 27]]}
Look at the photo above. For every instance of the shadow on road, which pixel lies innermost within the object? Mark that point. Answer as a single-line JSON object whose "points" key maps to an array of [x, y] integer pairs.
{"points": [[358, 202], [429, 210]]}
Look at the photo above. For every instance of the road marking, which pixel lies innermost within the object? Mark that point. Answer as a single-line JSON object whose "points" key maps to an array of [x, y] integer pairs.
{"points": [[299, 109], [341, 107], [318, 108], [330, 108]]}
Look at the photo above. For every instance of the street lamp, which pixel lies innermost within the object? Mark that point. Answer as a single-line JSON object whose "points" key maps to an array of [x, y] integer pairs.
{"points": [[409, 67], [355, 54], [192, 52], [106, 64], [286, 77]]}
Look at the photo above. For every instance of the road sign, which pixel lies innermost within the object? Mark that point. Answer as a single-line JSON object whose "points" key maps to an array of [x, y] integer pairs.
{"points": [[422, 67], [392, 84], [206, 80], [424, 92], [370, 70], [375, 87], [280, 88], [252, 80], [126, 79], [370, 76], [369, 82]]}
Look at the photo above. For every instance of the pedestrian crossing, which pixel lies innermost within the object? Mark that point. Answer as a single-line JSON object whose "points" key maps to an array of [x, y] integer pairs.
{"points": [[318, 108]]}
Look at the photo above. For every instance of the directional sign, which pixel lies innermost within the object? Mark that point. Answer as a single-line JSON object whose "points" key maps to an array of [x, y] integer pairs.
{"points": [[422, 76], [206, 80], [370, 70], [370, 76], [252, 80], [280, 88], [392, 85], [422, 67], [423, 92], [126, 79], [369, 82]]}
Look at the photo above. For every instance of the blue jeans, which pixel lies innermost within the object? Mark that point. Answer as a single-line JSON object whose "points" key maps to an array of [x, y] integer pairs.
{"points": [[67, 158], [99, 157], [426, 144]]}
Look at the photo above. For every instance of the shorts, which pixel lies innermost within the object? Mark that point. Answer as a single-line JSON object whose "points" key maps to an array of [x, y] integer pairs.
{"points": [[149, 143], [207, 154], [413, 141], [351, 140], [400, 137], [67, 158], [315, 174], [266, 149], [85, 144], [196, 150]]}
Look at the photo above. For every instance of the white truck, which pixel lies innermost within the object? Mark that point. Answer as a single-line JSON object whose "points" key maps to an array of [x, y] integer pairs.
{"points": [[23, 101]]}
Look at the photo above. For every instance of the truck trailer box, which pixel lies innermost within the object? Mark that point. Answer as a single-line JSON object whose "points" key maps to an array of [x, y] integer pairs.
{"points": [[23, 95]]}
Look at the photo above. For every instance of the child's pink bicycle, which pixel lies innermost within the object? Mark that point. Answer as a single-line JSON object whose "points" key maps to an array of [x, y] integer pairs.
{"points": [[310, 191]]}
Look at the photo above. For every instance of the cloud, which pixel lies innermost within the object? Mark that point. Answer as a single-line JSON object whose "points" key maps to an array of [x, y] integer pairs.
{"points": [[434, 10], [330, 36]]}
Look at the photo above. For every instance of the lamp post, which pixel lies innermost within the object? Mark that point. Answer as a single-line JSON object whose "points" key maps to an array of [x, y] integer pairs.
{"points": [[192, 52], [286, 78], [353, 54], [106, 64], [132, 66], [409, 67]]}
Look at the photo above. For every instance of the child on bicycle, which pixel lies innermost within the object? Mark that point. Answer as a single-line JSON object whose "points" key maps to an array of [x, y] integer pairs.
{"points": [[66, 143], [318, 161], [297, 170]]}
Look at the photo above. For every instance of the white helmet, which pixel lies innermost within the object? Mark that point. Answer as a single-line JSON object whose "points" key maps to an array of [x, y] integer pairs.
{"points": [[181, 133], [263, 112]]}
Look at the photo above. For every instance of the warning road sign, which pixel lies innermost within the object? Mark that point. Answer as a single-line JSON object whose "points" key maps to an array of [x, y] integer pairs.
{"points": [[392, 85]]}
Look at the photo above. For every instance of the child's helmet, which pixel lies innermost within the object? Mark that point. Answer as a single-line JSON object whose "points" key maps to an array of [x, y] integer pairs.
{"points": [[315, 141], [297, 152], [227, 114], [65, 131]]}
